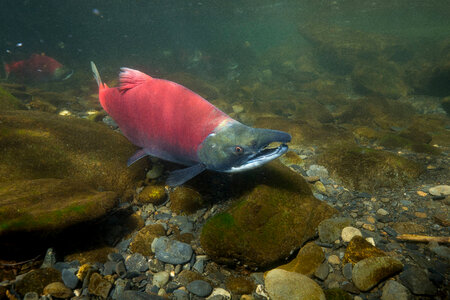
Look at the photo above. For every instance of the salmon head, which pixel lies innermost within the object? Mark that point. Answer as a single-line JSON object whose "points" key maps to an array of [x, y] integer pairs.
{"points": [[235, 147]]}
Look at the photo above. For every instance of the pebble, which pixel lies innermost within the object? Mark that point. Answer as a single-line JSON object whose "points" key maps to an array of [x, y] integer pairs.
{"points": [[349, 232], [120, 269], [171, 251], [369, 227], [199, 265], [330, 229], [57, 290], [322, 271], [347, 270], [200, 288], [441, 251], [31, 296], [440, 190], [316, 170], [281, 284], [136, 263], [370, 271], [49, 259], [421, 215], [180, 294], [160, 279], [382, 212], [220, 292], [120, 285], [334, 260], [416, 279], [69, 278], [99, 286], [394, 290], [422, 194]]}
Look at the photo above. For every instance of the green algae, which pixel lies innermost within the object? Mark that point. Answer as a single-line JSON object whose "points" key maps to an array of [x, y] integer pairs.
{"points": [[8, 101]]}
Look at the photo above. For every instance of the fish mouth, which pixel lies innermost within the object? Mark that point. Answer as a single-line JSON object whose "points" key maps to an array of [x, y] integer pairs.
{"points": [[263, 156]]}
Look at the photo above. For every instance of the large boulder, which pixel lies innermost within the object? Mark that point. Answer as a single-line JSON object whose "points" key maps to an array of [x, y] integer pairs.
{"points": [[274, 214], [59, 171]]}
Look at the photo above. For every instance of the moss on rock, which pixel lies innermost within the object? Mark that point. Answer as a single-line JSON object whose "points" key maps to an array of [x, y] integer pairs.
{"points": [[37, 280], [185, 200], [8, 101], [368, 169], [359, 249], [58, 171], [275, 215], [307, 261]]}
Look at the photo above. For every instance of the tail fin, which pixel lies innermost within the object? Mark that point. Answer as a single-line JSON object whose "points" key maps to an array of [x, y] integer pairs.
{"points": [[96, 74]]}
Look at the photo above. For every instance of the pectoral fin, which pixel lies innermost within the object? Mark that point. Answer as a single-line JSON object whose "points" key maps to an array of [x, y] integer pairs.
{"points": [[179, 177], [136, 156]]}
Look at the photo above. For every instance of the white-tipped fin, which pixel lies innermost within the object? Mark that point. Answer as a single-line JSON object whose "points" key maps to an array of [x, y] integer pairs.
{"points": [[130, 78], [96, 74]]}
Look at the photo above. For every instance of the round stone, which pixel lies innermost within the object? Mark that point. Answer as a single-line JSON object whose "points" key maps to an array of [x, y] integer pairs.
{"points": [[334, 260], [200, 288], [171, 251], [281, 284], [160, 279], [440, 190], [57, 290], [382, 212], [349, 232]]}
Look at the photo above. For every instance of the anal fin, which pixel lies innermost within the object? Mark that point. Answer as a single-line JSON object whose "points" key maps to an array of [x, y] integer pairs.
{"points": [[136, 156], [179, 177]]}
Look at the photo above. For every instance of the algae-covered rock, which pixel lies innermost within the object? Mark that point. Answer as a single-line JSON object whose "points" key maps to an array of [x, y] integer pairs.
{"points": [[359, 249], [274, 214], [142, 241], [92, 256], [185, 200], [240, 285], [37, 280], [307, 261], [155, 194], [99, 286], [8, 101], [58, 171], [370, 271], [337, 294], [368, 169], [330, 229]]}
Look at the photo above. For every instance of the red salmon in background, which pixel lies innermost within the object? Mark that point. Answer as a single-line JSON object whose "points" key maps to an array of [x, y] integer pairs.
{"points": [[38, 68]]}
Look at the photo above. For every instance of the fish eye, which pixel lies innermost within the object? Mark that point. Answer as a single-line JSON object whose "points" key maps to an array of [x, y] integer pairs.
{"points": [[238, 150]]}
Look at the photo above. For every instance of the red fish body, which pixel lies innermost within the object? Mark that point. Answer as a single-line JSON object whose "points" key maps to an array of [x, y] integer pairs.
{"points": [[163, 117], [37, 68], [173, 123]]}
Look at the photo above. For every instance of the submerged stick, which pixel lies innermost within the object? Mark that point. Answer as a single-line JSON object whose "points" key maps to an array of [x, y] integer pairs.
{"points": [[423, 238]]}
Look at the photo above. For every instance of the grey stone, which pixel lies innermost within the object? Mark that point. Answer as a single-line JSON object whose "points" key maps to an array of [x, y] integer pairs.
{"points": [[416, 279], [109, 267], [136, 295], [200, 288], [347, 271], [155, 265], [136, 263], [31, 296], [160, 279], [120, 285], [171, 251], [330, 229], [120, 269], [115, 257], [180, 295], [60, 266], [123, 245], [393, 290], [317, 170], [69, 278], [199, 265], [49, 259], [322, 271]]}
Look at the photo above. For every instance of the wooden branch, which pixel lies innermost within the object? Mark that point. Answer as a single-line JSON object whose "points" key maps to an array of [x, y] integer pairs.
{"points": [[423, 238]]}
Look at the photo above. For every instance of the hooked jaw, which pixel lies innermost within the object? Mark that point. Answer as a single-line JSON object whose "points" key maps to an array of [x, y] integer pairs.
{"points": [[237, 148]]}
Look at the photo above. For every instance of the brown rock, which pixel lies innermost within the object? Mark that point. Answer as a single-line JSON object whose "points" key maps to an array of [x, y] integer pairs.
{"points": [[142, 241], [185, 200], [240, 285], [359, 249], [307, 261], [408, 228], [99, 286], [155, 194], [91, 256], [370, 271], [36, 280], [58, 290]]}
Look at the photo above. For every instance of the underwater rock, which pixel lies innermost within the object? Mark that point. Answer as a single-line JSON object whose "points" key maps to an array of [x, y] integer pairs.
{"points": [[330, 229], [240, 285], [359, 249], [366, 169], [308, 259], [185, 200], [273, 215], [284, 285], [370, 271], [37, 280], [91, 256], [58, 171], [337, 294], [155, 194], [58, 290], [379, 78], [8, 101], [99, 286], [142, 241]]}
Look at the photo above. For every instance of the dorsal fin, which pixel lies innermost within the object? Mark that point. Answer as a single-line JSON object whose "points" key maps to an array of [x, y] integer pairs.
{"points": [[130, 78]]}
